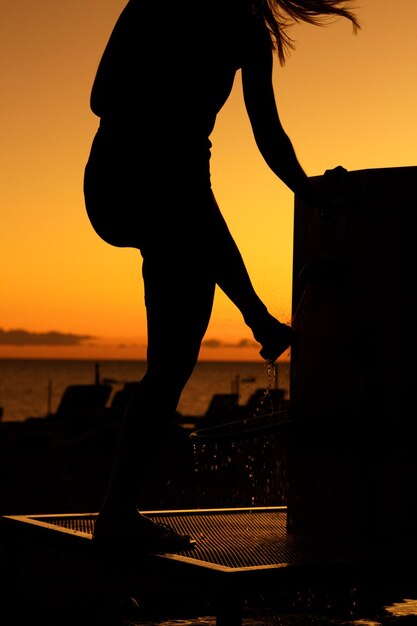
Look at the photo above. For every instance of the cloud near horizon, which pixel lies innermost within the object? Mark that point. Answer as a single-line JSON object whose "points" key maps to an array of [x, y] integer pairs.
{"points": [[216, 343], [20, 337]]}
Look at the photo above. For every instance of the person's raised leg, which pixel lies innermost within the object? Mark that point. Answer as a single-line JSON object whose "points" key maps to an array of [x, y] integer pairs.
{"points": [[233, 278]]}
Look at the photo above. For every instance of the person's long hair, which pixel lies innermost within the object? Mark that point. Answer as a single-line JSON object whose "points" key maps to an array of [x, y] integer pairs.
{"points": [[280, 14]]}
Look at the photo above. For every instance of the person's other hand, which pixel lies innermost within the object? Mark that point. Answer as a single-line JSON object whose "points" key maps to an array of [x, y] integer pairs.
{"points": [[332, 193]]}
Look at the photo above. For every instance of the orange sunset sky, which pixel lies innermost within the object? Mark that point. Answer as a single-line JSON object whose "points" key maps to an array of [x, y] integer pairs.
{"points": [[343, 99]]}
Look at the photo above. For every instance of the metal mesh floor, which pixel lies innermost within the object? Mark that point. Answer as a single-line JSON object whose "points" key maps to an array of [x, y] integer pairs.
{"points": [[233, 540], [229, 539]]}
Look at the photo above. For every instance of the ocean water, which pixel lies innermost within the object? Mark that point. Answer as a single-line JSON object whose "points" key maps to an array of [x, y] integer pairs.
{"points": [[34, 387]]}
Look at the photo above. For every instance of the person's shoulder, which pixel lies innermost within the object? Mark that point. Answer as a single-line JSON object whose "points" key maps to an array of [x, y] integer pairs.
{"points": [[255, 34]]}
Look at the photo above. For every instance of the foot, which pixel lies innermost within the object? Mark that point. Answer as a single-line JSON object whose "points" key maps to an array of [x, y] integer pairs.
{"points": [[275, 338], [140, 534]]}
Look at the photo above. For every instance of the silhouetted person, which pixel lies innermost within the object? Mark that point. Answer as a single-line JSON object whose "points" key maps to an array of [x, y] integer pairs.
{"points": [[166, 72]]}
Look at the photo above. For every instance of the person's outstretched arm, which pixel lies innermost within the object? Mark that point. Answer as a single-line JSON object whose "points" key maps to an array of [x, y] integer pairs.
{"points": [[271, 139]]}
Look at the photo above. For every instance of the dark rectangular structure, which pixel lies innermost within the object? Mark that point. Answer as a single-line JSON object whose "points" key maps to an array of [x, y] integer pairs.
{"points": [[354, 366]]}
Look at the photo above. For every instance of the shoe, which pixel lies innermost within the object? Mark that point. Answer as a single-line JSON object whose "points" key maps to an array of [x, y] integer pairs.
{"points": [[144, 537], [275, 338]]}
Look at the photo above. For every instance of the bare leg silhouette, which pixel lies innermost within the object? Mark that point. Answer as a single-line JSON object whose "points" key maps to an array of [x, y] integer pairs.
{"points": [[232, 277], [180, 279]]}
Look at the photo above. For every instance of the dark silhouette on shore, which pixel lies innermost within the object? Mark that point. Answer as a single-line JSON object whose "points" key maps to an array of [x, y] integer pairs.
{"points": [[165, 74]]}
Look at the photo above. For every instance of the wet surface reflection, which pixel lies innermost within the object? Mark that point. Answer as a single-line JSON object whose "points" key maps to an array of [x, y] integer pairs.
{"points": [[353, 607]]}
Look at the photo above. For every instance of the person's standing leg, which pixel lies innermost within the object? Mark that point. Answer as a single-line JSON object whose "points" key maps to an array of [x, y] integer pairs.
{"points": [[178, 297]]}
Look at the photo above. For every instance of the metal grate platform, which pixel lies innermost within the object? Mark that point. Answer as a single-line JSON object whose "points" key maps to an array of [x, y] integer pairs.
{"points": [[241, 553], [227, 539]]}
